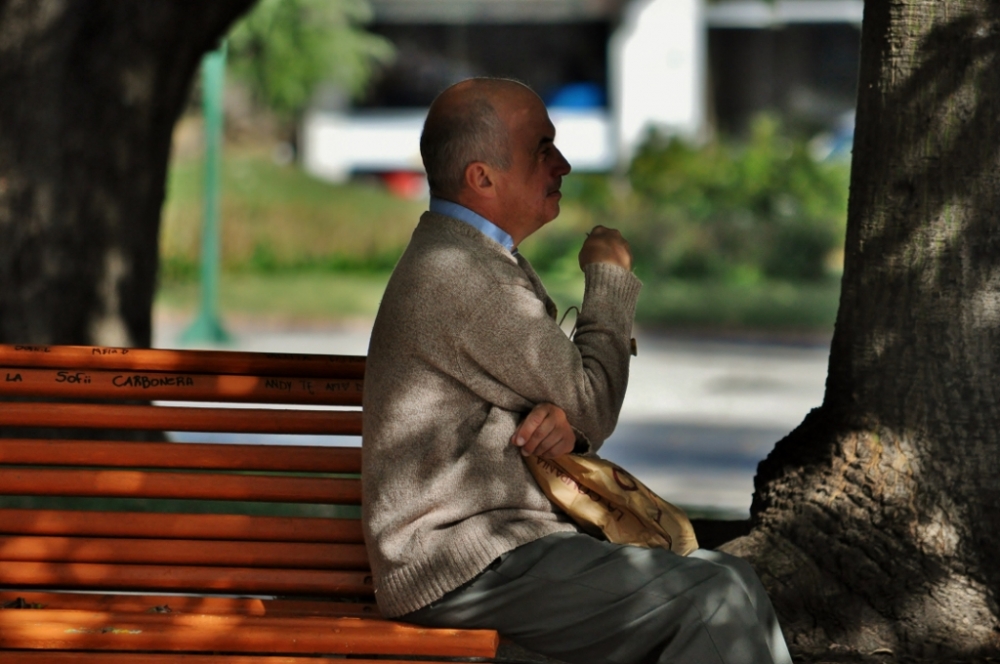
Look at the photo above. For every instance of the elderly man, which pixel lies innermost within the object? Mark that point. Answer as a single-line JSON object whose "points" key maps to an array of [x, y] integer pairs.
{"points": [[468, 372]]}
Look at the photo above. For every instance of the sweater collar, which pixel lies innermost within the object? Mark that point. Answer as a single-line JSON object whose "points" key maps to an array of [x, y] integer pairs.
{"points": [[477, 221]]}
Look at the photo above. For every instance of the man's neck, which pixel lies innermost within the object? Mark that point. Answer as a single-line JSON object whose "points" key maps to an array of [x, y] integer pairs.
{"points": [[475, 219], [490, 209]]}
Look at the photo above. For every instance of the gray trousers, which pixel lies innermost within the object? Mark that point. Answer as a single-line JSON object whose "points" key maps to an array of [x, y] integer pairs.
{"points": [[582, 600]]}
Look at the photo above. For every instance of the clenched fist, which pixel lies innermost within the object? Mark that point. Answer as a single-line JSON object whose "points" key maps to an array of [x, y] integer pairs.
{"points": [[605, 245]]}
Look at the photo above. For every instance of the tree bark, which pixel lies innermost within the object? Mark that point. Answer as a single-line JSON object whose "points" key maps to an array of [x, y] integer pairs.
{"points": [[89, 93], [877, 521]]}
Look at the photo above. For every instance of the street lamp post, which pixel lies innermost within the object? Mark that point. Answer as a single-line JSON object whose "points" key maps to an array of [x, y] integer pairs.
{"points": [[207, 327]]}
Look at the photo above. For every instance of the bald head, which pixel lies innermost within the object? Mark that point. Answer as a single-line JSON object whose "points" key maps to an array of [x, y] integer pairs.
{"points": [[465, 125]]}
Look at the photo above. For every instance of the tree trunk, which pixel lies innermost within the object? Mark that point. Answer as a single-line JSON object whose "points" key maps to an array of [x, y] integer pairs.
{"points": [[877, 521], [89, 93]]}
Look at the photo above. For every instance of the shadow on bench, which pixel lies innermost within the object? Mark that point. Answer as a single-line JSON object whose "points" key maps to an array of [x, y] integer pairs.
{"points": [[130, 551]]}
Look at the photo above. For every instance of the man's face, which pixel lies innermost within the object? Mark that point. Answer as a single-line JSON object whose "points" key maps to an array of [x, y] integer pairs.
{"points": [[529, 190]]}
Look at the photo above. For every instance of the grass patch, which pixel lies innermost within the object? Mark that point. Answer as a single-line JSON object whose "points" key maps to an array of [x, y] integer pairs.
{"points": [[273, 217], [302, 295], [315, 294], [675, 304], [764, 306]]}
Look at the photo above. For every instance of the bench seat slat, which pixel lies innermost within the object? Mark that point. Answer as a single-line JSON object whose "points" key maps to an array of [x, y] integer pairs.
{"points": [[237, 606], [187, 455], [82, 657], [148, 385], [237, 634], [181, 418], [184, 552], [176, 578], [184, 486], [183, 361], [180, 526]]}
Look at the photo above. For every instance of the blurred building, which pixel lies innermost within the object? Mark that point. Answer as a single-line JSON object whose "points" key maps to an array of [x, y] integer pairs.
{"points": [[608, 70]]}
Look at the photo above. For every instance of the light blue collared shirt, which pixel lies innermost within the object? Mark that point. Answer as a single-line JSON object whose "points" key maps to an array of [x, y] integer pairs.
{"points": [[477, 221]]}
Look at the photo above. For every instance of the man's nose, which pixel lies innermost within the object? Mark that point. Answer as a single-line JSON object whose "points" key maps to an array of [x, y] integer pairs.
{"points": [[562, 166]]}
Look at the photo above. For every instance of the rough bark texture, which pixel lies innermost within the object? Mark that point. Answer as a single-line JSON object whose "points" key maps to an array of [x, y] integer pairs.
{"points": [[89, 93], [877, 521]]}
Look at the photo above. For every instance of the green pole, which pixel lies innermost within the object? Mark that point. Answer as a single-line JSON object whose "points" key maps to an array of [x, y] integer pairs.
{"points": [[207, 328]]}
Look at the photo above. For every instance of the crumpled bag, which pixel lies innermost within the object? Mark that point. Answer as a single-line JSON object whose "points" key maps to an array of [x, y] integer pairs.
{"points": [[606, 500]]}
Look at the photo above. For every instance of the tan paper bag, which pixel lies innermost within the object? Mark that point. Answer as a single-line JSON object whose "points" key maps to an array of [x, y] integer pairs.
{"points": [[606, 500]]}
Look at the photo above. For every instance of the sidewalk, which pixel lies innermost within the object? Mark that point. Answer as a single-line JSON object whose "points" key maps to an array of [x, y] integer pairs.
{"points": [[698, 417]]}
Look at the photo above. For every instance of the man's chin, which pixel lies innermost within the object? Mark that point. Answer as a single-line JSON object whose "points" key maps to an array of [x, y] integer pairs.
{"points": [[553, 211]]}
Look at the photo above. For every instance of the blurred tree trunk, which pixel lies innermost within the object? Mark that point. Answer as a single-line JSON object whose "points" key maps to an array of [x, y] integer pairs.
{"points": [[89, 93], [877, 521]]}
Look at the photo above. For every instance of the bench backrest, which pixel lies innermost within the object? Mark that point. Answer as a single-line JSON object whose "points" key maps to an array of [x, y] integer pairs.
{"points": [[198, 517]]}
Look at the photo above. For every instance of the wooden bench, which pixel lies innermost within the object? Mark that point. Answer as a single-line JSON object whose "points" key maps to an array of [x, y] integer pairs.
{"points": [[143, 552]]}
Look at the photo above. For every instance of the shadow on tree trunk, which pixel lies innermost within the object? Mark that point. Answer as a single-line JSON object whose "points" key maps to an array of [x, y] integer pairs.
{"points": [[877, 521], [92, 90]]}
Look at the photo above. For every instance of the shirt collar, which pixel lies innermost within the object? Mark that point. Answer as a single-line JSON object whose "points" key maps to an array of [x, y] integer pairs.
{"points": [[477, 221]]}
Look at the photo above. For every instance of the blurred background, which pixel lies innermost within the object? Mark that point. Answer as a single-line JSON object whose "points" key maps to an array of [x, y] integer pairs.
{"points": [[715, 135]]}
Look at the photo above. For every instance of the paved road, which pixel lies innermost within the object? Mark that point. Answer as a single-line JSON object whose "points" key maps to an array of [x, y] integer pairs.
{"points": [[698, 417]]}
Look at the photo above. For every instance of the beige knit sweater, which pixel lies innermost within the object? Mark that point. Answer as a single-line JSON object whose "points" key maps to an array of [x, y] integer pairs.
{"points": [[464, 345]]}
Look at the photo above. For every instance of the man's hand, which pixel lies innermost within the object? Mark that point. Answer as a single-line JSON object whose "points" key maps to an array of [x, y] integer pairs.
{"points": [[605, 245], [545, 433]]}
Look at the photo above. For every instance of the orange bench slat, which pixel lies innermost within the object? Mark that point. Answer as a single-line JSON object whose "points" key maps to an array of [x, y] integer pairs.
{"points": [[242, 606], [163, 578], [182, 486], [290, 555], [94, 384], [181, 418], [183, 361], [301, 458], [71, 601], [179, 526], [30, 629], [82, 657]]}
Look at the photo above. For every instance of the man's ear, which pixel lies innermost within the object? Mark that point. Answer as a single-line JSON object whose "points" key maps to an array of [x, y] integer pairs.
{"points": [[479, 179]]}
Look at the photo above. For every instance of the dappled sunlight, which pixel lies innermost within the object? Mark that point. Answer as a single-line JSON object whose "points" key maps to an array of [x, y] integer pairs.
{"points": [[107, 327], [873, 547], [937, 535], [982, 308]]}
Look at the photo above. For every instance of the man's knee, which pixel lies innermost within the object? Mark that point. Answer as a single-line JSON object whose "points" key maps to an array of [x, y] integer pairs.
{"points": [[744, 571], [727, 588]]}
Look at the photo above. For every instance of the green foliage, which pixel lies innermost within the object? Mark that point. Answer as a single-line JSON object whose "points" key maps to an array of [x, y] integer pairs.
{"points": [[278, 219], [763, 210], [728, 235], [739, 214], [284, 48]]}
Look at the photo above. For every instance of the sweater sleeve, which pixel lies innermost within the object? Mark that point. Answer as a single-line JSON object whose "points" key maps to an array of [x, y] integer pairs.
{"points": [[513, 355]]}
